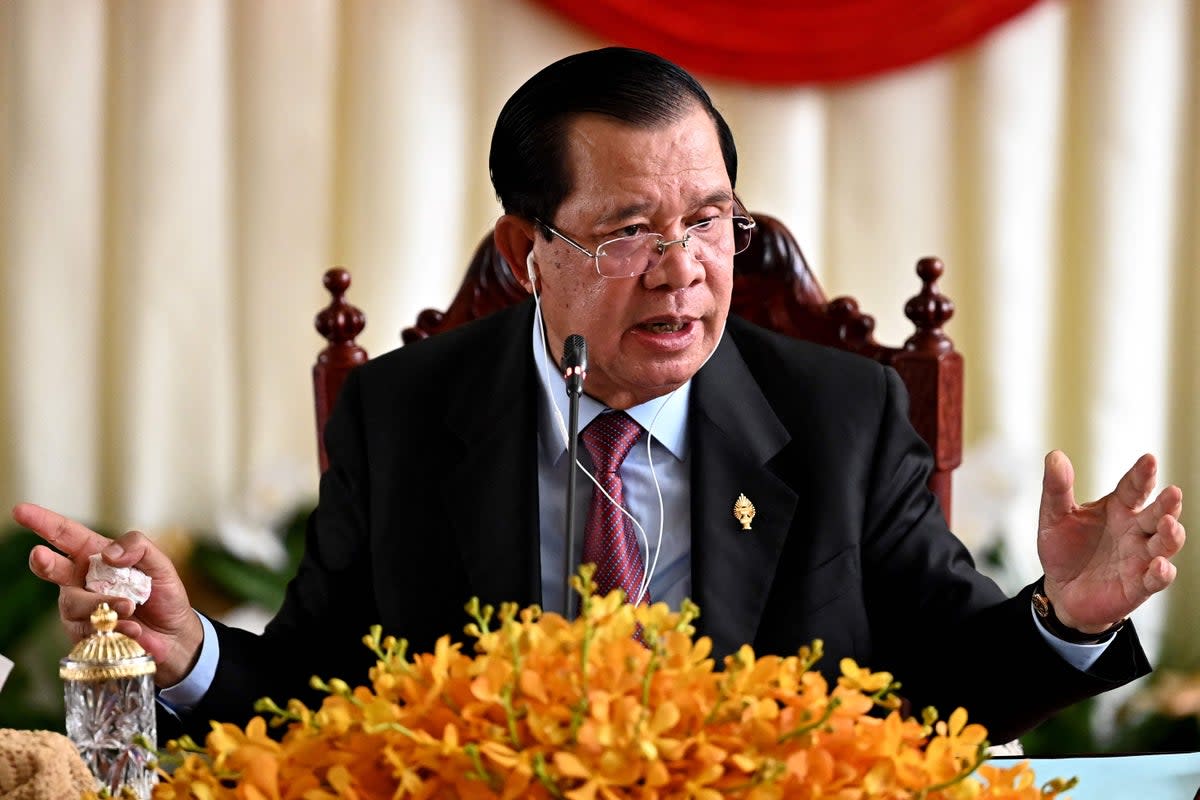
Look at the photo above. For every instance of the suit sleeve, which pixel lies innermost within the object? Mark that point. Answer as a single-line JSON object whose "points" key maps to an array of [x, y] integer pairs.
{"points": [[947, 632], [319, 628]]}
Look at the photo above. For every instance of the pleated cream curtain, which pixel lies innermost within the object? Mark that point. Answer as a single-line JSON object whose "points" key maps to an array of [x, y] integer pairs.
{"points": [[175, 176]]}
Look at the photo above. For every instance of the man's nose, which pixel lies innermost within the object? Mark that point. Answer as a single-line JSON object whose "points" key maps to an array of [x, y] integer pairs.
{"points": [[677, 265]]}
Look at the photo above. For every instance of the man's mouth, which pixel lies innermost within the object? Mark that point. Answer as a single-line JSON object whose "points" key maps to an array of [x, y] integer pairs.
{"points": [[664, 327]]}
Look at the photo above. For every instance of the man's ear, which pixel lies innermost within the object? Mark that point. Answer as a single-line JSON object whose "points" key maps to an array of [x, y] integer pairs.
{"points": [[514, 239]]}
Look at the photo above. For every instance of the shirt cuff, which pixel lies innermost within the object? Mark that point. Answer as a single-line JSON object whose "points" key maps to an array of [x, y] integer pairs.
{"points": [[1079, 656], [183, 696]]}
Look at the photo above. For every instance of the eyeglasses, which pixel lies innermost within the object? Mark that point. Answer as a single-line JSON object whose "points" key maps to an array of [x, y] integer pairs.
{"points": [[713, 239]]}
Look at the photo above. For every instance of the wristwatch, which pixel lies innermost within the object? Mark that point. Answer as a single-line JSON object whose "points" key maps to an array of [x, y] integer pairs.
{"points": [[1045, 611]]}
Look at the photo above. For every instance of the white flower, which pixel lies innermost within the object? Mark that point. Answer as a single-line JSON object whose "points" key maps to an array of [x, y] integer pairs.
{"points": [[249, 617], [252, 529], [996, 495]]}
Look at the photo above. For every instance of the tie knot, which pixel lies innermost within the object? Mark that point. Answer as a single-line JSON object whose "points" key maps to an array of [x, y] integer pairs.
{"points": [[609, 438]]}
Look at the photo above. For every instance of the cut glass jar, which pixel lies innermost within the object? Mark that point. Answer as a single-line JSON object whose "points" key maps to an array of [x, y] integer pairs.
{"points": [[109, 689]]}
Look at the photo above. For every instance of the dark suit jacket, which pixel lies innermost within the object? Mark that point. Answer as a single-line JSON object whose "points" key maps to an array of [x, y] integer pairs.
{"points": [[431, 498]]}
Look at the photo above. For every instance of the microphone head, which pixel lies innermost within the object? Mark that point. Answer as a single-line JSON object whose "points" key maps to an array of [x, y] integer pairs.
{"points": [[575, 353], [574, 364]]}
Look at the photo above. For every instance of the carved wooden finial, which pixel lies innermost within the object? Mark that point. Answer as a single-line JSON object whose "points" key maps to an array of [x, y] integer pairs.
{"points": [[339, 322], [855, 328], [929, 310], [337, 280]]}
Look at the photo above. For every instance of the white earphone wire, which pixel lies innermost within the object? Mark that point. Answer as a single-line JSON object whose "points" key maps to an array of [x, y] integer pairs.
{"points": [[562, 429], [652, 566], [648, 565]]}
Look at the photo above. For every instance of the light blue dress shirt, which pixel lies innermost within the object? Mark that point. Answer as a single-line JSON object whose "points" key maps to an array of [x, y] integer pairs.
{"points": [[660, 455]]}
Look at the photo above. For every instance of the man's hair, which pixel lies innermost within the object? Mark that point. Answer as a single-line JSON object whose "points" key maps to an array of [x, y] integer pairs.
{"points": [[528, 153]]}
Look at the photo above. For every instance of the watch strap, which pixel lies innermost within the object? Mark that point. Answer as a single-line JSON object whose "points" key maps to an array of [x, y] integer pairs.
{"points": [[1045, 612]]}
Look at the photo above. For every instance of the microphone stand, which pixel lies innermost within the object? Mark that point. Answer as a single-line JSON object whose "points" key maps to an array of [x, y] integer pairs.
{"points": [[574, 372]]}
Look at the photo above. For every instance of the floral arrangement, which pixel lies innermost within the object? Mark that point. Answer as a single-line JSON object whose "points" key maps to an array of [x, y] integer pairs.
{"points": [[621, 702]]}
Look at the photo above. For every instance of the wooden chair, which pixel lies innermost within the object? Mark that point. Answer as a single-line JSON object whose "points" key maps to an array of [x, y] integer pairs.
{"points": [[772, 286]]}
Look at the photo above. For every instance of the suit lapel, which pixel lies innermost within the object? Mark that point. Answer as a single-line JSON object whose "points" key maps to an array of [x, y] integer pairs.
{"points": [[491, 491], [735, 434]]}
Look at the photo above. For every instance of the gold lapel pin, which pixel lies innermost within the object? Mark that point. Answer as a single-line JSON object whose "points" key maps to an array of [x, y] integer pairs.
{"points": [[743, 511]]}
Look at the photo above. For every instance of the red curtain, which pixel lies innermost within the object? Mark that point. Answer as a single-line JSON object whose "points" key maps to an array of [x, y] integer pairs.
{"points": [[791, 41]]}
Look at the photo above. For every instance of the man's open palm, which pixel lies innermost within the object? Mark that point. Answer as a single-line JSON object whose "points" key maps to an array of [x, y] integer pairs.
{"points": [[1105, 558]]}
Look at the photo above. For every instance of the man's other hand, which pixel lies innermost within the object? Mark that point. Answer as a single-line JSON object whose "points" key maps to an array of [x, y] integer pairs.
{"points": [[165, 625], [1105, 558]]}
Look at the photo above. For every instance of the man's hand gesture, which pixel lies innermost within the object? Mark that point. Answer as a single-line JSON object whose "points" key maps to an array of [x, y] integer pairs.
{"points": [[1105, 558], [164, 625]]}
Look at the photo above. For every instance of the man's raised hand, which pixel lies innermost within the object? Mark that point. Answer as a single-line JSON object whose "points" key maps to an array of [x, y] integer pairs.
{"points": [[1105, 558]]}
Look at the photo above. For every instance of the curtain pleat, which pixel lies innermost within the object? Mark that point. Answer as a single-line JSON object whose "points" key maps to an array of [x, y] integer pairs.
{"points": [[283, 131], [52, 237], [168, 330]]}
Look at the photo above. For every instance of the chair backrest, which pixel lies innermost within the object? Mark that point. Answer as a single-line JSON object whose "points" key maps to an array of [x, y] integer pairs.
{"points": [[772, 286]]}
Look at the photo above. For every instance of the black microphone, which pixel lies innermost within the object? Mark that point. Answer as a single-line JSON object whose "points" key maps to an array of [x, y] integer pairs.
{"points": [[574, 364], [574, 367]]}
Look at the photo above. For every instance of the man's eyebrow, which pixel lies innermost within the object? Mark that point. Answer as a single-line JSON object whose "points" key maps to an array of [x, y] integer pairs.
{"points": [[719, 196], [625, 212], [635, 209]]}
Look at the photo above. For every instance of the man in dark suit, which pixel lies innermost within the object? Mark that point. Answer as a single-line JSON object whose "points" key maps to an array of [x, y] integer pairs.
{"points": [[617, 174]]}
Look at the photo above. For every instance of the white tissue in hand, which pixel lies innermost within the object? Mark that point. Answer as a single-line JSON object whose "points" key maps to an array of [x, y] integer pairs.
{"points": [[128, 582], [5, 668]]}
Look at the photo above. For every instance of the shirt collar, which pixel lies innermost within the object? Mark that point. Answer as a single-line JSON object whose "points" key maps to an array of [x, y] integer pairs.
{"points": [[667, 414]]}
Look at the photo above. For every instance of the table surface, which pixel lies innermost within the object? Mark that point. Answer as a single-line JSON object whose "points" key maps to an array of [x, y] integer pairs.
{"points": [[1152, 776]]}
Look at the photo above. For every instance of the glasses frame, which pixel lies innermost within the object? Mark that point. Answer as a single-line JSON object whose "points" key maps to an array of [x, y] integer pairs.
{"points": [[663, 243]]}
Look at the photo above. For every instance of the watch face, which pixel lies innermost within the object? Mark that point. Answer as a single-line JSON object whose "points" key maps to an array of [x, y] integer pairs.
{"points": [[1041, 604], [1055, 627]]}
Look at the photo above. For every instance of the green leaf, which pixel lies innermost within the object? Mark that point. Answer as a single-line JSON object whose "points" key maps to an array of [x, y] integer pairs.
{"points": [[24, 597], [241, 580]]}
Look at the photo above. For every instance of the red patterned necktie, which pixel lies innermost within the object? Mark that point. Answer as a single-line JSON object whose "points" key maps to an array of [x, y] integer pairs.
{"points": [[610, 541]]}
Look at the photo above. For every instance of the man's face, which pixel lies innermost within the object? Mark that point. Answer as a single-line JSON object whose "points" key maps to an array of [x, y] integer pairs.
{"points": [[647, 335]]}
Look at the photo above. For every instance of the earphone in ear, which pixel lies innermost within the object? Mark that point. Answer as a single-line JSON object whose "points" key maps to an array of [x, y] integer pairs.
{"points": [[529, 267]]}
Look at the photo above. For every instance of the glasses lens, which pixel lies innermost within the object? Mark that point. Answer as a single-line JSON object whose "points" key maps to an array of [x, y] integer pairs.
{"points": [[628, 256], [711, 240], [720, 237]]}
